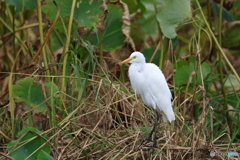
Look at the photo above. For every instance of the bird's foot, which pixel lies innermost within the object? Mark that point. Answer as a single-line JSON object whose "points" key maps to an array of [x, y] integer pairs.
{"points": [[148, 144]]}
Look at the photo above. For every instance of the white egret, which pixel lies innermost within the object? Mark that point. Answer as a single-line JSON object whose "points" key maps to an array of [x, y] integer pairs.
{"points": [[149, 82]]}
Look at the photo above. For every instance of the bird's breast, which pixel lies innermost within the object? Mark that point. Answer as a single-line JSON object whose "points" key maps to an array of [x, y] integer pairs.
{"points": [[137, 78]]}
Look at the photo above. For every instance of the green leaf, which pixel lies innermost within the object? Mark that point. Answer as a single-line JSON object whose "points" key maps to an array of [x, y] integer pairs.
{"points": [[51, 10], [148, 52], [148, 22], [180, 63], [171, 14], [50, 86], [112, 36], [57, 40], [233, 99], [27, 143], [225, 13], [21, 4], [231, 83], [231, 37], [183, 73], [31, 92], [86, 13], [44, 155]]}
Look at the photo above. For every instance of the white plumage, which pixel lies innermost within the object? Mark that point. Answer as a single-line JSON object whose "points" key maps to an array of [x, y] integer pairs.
{"points": [[148, 81]]}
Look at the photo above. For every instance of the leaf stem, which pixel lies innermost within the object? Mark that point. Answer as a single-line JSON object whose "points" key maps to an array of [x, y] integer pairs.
{"points": [[216, 42], [40, 28], [160, 36], [220, 67], [66, 48], [11, 102]]}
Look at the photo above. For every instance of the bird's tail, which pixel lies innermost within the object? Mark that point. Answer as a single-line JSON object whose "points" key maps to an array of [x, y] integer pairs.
{"points": [[169, 118]]}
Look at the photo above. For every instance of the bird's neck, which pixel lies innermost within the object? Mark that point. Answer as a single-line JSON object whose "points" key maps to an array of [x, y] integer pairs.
{"points": [[138, 66]]}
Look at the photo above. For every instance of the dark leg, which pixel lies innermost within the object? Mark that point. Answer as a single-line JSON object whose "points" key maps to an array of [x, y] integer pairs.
{"points": [[151, 137], [155, 128], [152, 133]]}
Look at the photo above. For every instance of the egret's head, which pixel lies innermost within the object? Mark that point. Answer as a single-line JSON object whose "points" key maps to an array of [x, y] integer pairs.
{"points": [[135, 57]]}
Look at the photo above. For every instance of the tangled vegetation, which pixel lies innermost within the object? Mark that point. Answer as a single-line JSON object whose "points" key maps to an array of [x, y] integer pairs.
{"points": [[64, 94]]}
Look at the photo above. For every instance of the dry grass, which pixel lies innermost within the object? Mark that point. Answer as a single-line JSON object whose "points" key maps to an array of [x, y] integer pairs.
{"points": [[112, 123], [98, 116]]}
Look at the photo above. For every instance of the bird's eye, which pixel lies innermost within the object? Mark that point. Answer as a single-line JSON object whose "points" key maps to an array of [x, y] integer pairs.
{"points": [[134, 57]]}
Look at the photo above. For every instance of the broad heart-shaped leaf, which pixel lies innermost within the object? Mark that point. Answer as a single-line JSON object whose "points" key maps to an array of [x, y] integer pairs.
{"points": [[171, 14], [21, 4], [86, 13], [148, 22], [51, 10], [29, 143], [183, 73], [31, 92], [112, 36]]}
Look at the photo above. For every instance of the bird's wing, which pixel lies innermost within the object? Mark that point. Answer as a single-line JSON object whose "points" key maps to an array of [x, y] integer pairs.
{"points": [[158, 89]]}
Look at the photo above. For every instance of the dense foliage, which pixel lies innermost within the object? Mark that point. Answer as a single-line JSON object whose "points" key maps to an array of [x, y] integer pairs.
{"points": [[64, 94]]}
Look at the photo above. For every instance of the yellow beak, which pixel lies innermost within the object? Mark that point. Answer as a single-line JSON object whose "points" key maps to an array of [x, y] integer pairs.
{"points": [[127, 60]]}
